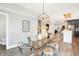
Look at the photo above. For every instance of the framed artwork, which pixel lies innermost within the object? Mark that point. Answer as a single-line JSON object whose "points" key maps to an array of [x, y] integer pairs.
{"points": [[25, 26]]}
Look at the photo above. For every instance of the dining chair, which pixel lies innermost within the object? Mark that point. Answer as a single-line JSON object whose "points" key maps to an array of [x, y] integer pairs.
{"points": [[3, 41], [30, 42], [24, 48], [3, 44]]}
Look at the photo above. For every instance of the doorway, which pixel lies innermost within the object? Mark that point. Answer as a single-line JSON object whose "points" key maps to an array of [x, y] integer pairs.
{"points": [[3, 32]]}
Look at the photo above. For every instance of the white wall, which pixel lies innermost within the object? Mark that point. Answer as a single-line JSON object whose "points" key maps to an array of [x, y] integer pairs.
{"points": [[2, 26], [55, 23], [15, 17], [15, 29]]}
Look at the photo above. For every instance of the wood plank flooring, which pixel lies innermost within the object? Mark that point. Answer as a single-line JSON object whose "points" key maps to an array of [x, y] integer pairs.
{"points": [[65, 50], [70, 49]]}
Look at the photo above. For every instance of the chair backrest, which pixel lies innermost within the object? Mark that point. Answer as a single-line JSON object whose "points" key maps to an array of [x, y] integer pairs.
{"points": [[22, 47], [29, 40], [21, 44]]}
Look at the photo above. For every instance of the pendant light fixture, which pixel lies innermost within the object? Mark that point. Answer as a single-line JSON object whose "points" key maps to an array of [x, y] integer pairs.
{"points": [[43, 16]]}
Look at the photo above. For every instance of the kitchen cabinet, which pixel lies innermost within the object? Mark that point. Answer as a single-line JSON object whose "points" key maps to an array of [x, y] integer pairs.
{"points": [[67, 36], [75, 22]]}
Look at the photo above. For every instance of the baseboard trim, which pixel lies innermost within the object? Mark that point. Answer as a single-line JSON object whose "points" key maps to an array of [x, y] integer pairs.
{"points": [[13, 46]]}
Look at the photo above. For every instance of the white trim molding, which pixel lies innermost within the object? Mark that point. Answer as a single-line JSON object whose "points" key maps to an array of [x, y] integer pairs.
{"points": [[7, 19], [11, 10], [15, 11], [13, 46]]}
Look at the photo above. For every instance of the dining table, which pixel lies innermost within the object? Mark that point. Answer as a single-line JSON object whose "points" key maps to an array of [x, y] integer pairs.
{"points": [[37, 45], [48, 51]]}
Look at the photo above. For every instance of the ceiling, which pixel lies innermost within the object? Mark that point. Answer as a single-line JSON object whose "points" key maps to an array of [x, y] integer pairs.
{"points": [[54, 10]]}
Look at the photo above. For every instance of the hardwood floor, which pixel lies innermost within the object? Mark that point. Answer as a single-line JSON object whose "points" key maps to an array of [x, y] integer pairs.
{"points": [[65, 50], [75, 46], [2, 49], [70, 49]]}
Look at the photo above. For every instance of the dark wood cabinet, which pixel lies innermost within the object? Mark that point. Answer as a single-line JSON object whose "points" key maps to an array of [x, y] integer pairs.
{"points": [[76, 33], [75, 22]]}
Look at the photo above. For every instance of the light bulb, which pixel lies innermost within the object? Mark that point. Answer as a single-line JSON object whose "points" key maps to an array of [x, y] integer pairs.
{"points": [[39, 36]]}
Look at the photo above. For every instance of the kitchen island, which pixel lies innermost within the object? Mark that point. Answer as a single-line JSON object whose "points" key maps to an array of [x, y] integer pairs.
{"points": [[67, 36]]}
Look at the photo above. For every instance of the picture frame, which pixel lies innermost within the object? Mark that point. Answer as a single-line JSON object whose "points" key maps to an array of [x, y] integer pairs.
{"points": [[25, 25]]}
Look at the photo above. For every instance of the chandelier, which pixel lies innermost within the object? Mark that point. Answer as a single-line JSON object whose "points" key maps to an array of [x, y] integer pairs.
{"points": [[43, 16]]}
